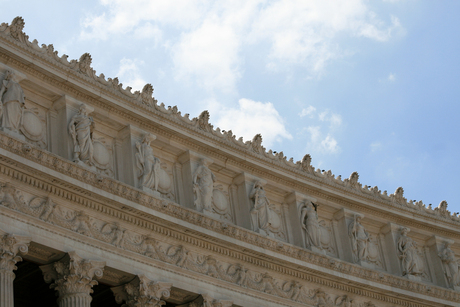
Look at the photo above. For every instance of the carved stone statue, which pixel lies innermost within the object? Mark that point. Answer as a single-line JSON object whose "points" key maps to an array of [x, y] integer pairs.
{"points": [[310, 223], [260, 213], [12, 107], [203, 185], [450, 264], [81, 129], [359, 239], [412, 262], [147, 164]]}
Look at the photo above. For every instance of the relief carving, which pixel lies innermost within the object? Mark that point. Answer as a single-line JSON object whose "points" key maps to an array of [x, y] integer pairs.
{"points": [[451, 265], [203, 186], [310, 223], [359, 239], [265, 219], [151, 172], [12, 103], [114, 234], [81, 130], [411, 260]]}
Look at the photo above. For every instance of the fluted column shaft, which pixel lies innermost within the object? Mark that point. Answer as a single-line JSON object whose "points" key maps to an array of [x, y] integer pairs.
{"points": [[6, 288], [10, 247], [72, 278]]}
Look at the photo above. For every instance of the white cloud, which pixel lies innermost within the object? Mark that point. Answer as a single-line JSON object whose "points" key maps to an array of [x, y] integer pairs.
{"points": [[376, 146], [128, 74], [206, 39], [250, 118], [320, 142], [334, 119], [307, 111], [391, 77]]}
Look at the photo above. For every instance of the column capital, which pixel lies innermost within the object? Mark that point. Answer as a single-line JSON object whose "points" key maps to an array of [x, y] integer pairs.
{"points": [[10, 247], [73, 275], [209, 301], [142, 292]]}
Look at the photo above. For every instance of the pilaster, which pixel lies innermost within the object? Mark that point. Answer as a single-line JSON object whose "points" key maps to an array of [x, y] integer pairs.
{"points": [[390, 238], [142, 292], [294, 203], [435, 246], [61, 113], [125, 148], [190, 161], [244, 183], [11, 246], [344, 218], [72, 277]]}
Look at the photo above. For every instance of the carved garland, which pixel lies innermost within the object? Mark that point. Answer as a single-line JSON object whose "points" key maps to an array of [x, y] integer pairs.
{"points": [[112, 233]]}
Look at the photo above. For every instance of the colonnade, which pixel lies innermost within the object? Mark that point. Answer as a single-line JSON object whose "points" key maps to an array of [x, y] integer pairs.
{"points": [[73, 278]]}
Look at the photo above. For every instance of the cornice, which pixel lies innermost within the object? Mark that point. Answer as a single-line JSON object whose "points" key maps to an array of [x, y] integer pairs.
{"points": [[132, 216], [297, 174]]}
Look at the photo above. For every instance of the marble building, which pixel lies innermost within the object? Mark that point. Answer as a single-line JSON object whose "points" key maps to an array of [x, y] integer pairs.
{"points": [[109, 198]]}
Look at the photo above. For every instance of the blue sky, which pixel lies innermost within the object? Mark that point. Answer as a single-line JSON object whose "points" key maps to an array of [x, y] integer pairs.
{"points": [[367, 86]]}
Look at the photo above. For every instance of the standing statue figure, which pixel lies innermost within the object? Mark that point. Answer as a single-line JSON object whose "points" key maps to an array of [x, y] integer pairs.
{"points": [[450, 264], [310, 223], [203, 186], [412, 263], [12, 106], [260, 213], [81, 129], [147, 164], [359, 239]]}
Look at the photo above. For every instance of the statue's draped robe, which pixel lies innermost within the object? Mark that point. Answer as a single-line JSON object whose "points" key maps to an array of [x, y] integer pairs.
{"points": [[13, 102]]}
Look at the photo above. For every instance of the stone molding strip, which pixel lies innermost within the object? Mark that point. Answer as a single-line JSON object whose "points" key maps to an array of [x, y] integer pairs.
{"points": [[181, 258]]}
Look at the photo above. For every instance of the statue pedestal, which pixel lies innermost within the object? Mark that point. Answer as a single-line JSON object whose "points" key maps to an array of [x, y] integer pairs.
{"points": [[150, 191], [12, 133]]}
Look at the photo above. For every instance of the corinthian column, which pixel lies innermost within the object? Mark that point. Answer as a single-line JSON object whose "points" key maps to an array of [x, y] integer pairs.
{"points": [[72, 277], [10, 247], [142, 292]]}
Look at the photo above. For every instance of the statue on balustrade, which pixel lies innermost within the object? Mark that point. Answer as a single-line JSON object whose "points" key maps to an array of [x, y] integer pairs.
{"points": [[81, 129], [147, 164], [359, 239], [12, 103], [450, 264], [203, 186], [412, 262], [310, 223]]}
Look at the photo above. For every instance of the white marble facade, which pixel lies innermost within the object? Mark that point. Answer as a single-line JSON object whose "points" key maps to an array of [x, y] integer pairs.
{"points": [[165, 209]]}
